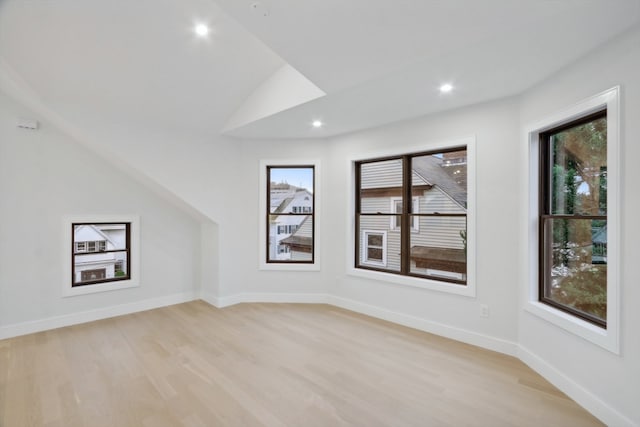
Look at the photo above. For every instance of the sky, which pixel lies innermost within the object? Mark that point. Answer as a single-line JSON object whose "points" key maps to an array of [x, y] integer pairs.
{"points": [[300, 177]]}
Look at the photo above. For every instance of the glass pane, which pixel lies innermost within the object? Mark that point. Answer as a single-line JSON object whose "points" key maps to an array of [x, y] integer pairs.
{"points": [[290, 238], [579, 169], [374, 240], [440, 181], [100, 266], [379, 183], [99, 237], [291, 190], [439, 248], [378, 247], [374, 254], [576, 264]]}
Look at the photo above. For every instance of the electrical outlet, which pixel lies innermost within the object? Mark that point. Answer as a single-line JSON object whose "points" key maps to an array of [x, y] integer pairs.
{"points": [[484, 310]]}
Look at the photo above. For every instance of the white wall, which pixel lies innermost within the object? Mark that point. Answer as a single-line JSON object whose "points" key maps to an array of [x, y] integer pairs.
{"points": [[44, 175], [244, 242], [495, 128], [612, 379]]}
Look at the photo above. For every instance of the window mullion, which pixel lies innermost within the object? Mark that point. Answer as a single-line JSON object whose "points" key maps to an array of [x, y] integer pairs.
{"points": [[405, 223]]}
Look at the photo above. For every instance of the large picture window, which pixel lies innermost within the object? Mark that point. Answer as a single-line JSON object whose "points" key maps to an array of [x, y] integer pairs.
{"points": [[290, 218], [573, 218], [101, 253], [421, 197]]}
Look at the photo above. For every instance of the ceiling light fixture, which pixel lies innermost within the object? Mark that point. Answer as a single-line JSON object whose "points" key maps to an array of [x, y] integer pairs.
{"points": [[201, 30], [446, 88], [317, 124]]}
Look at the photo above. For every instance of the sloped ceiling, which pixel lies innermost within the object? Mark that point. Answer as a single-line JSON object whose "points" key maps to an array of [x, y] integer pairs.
{"points": [[375, 61]]}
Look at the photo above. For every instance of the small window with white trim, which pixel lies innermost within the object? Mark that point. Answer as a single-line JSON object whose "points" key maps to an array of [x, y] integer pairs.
{"points": [[102, 253], [375, 248]]}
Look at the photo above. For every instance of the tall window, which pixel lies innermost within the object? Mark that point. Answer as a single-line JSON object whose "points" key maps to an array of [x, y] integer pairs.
{"points": [[290, 214], [573, 218], [423, 197], [101, 253]]}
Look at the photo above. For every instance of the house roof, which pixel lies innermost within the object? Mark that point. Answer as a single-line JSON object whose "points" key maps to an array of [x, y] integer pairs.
{"points": [[434, 171], [600, 236], [297, 240], [283, 205], [302, 236], [89, 232]]}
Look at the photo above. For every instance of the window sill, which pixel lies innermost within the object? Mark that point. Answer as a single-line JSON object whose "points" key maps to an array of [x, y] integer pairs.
{"points": [[467, 290], [588, 331], [100, 287], [289, 267]]}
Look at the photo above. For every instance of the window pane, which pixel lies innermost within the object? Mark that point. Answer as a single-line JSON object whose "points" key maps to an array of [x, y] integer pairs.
{"points": [[439, 249], [99, 266], [291, 190], [377, 247], [440, 181], [99, 237], [374, 240], [576, 264], [578, 172], [379, 181], [290, 238]]}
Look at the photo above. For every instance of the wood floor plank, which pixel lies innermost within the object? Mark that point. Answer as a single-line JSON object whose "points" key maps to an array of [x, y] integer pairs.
{"points": [[265, 365]]}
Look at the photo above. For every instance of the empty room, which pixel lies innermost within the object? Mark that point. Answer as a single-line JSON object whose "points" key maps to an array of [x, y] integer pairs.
{"points": [[319, 213]]}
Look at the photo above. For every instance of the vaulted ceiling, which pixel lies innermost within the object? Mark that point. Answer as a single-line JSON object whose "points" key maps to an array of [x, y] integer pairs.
{"points": [[270, 67]]}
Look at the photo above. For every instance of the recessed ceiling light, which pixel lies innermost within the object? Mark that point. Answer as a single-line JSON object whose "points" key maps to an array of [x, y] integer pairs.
{"points": [[201, 30], [317, 124], [446, 88]]}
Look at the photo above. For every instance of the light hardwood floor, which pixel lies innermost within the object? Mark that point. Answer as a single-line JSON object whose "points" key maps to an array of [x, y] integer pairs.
{"points": [[266, 365]]}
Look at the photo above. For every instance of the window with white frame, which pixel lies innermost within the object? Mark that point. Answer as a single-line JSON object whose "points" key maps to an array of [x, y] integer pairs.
{"points": [[575, 234], [375, 248], [396, 207]]}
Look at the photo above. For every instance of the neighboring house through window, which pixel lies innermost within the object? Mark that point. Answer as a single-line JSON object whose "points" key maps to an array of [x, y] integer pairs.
{"points": [[422, 197], [290, 214], [101, 253]]}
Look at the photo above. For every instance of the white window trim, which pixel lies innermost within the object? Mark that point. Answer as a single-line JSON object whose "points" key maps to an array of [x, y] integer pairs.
{"points": [[607, 338], [415, 207], [419, 282], [262, 209], [365, 246], [134, 253]]}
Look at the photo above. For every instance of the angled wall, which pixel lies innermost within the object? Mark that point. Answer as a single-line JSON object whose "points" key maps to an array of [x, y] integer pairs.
{"points": [[44, 175]]}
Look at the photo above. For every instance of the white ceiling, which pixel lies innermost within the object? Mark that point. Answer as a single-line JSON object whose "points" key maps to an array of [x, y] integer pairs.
{"points": [[378, 61]]}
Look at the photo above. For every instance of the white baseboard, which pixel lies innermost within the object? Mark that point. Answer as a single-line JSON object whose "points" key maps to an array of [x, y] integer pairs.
{"points": [[10, 331], [462, 335], [305, 298], [582, 396]]}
